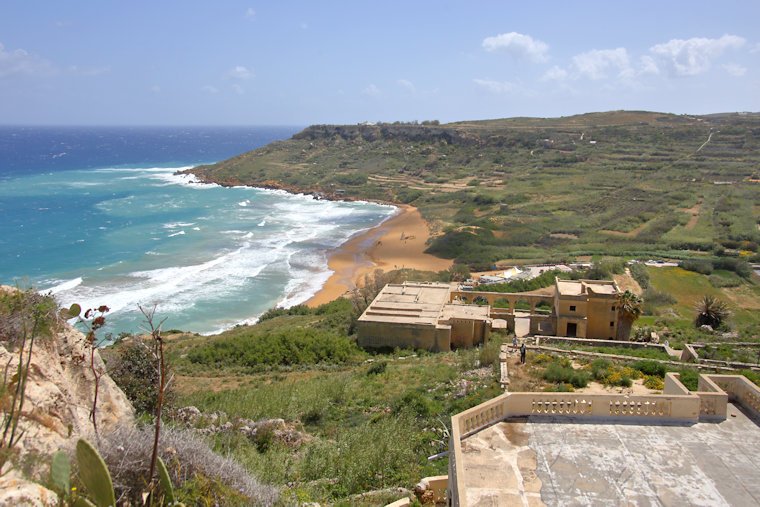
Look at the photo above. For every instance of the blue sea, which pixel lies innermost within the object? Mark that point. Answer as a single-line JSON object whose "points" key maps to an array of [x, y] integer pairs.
{"points": [[98, 216]]}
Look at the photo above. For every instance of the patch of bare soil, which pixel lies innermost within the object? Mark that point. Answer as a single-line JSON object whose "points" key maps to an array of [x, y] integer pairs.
{"points": [[742, 296], [626, 282], [694, 212], [630, 234], [637, 389]]}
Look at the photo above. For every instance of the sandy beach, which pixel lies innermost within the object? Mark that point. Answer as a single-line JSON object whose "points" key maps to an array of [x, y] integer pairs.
{"points": [[397, 243]]}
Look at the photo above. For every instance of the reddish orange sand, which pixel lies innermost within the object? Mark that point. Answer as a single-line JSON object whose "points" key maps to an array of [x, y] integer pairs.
{"points": [[397, 243]]}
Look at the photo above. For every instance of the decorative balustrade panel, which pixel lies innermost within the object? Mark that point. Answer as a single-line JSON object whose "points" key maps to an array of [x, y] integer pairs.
{"points": [[637, 408], [564, 406]]}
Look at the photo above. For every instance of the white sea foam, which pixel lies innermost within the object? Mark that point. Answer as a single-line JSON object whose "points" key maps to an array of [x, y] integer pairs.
{"points": [[177, 288], [63, 286], [286, 261]]}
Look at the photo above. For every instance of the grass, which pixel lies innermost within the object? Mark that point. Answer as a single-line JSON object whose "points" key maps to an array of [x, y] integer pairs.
{"points": [[401, 402], [650, 353], [688, 286], [403, 410]]}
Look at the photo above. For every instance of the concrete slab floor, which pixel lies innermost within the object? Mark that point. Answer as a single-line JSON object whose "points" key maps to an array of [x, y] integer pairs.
{"points": [[546, 461]]}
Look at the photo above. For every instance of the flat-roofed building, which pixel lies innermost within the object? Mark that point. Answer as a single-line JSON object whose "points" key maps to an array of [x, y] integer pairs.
{"points": [[419, 315], [586, 308]]}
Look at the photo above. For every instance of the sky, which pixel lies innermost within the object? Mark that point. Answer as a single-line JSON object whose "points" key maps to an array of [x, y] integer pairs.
{"points": [[230, 62]]}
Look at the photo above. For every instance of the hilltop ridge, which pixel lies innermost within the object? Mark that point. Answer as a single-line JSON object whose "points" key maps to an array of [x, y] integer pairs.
{"points": [[620, 182]]}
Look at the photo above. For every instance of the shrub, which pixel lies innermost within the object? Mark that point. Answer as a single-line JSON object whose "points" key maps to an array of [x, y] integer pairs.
{"points": [[689, 378], [416, 403], [711, 311], [365, 457], [599, 368], [704, 267], [292, 346], [565, 375], [721, 281], [603, 270], [560, 388], [650, 368], [134, 371], [640, 274], [279, 312], [127, 452], [24, 310], [545, 279], [489, 353], [542, 358], [654, 382], [738, 266], [377, 368]]}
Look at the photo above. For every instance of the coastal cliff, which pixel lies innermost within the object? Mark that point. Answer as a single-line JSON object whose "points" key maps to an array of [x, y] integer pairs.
{"points": [[57, 405], [610, 183]]}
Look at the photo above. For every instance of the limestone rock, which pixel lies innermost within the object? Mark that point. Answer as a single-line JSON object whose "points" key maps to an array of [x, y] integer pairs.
{"points": [[15, 491], [59, 393]]}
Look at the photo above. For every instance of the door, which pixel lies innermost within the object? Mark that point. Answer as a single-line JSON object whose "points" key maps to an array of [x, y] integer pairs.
{"points": [[572, 329]]}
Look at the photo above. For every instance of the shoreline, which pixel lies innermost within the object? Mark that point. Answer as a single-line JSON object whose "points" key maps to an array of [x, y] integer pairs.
{"points": [[398, 242]]}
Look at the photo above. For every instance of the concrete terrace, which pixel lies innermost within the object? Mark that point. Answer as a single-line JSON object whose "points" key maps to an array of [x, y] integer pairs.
{"points": [[549, 460]]}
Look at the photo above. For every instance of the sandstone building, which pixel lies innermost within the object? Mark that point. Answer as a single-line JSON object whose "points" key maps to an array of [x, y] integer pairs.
{"points": [[437, 317]]}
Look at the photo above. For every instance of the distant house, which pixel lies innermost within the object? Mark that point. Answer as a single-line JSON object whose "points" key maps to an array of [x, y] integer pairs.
{"points": [[586, 308]]}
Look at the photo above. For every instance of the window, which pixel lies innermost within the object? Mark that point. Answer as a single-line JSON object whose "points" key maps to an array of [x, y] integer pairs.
{"points": [[613, 308], [612, 324], [572, 308]]}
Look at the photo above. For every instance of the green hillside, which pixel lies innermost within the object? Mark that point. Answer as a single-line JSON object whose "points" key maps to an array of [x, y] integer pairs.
{"points": [[619, 183]]}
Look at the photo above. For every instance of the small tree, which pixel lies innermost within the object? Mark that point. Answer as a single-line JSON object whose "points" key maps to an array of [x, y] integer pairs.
{"points": [[162, 382], [134, 371], [629, 309], [711, 311]]}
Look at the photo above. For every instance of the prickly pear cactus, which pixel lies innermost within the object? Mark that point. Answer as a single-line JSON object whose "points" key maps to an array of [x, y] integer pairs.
{"points": [[94, 475], [166, 484], [60, 473]]}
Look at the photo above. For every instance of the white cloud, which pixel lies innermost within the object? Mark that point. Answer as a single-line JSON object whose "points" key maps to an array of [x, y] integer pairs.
{"points": [[518, 45], [693, 56], [597, 63], [755, 48], [21, 62], [405, 83], [371, 91], [250, 13], [91, 71], [648, 65], [735, 69], [213, 90], [240, 72], [495, 86], [238, 89], [555, 74]]}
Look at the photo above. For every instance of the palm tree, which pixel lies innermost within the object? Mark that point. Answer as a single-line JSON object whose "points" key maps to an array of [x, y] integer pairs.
{"points": [[711, 311], [629, 309]]}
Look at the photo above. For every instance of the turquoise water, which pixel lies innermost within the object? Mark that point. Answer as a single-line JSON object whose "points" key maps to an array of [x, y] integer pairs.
{"points": [[209, 257]]}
